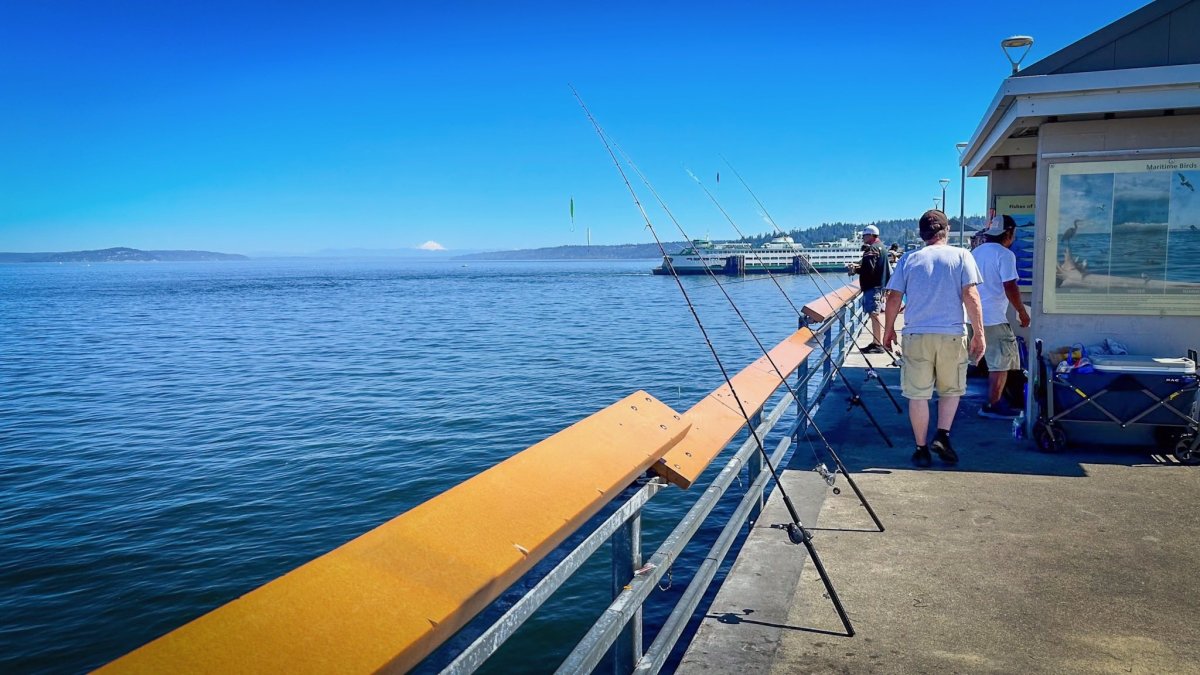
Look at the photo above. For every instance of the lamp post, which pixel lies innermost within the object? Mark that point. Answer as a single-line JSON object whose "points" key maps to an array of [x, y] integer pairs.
{"points": [[1011, 44], [962, 193], [937, 204], [943, 183]]}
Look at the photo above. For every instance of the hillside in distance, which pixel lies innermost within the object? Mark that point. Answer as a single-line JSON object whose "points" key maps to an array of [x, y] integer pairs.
{"points": [[118, 254], [899, 231], [611, 252]]}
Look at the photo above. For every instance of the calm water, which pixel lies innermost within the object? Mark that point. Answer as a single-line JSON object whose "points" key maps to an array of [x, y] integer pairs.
{"points": [[174, 435], [1162, 255]]}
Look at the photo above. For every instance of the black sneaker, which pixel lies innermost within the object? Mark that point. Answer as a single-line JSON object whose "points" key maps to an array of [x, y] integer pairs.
{"points": [[1001, 411], [874, 348], [921, 457], [941, 445]]}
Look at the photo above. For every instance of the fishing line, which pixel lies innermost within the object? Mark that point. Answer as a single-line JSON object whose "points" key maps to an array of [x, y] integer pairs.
{"points": [[855, 398], [821, 278], [731, 283], [797, 533], [766, 354], [722, 286]]}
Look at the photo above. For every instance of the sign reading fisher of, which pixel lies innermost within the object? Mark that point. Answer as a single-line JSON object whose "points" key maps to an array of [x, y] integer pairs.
{"points": [[1021, 208]]}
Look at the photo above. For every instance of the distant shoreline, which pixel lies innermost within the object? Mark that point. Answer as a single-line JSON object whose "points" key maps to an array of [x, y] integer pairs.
{"points": [[119, 254], [569, 253], [900, 230]]}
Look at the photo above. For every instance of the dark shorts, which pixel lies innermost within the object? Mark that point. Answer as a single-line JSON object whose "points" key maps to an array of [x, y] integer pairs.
{"points": [[873, 301]]}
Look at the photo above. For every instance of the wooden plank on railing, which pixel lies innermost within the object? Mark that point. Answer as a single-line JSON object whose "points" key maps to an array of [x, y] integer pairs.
{"points": [[388, 598], [829, 304], [716, 419]]}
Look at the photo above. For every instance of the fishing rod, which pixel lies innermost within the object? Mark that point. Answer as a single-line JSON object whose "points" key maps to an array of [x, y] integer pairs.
{"points": [[797, 533], [871, 372], [841, 467], [855, 399]]}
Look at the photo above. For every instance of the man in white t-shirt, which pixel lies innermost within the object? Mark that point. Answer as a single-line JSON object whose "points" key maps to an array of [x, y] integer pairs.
{"points": [[939, 283], [998, 267]]}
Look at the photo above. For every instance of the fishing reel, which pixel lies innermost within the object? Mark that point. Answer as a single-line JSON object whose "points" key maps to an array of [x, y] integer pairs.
{"points": [[797, 534], [829, 477], [855, 400]]}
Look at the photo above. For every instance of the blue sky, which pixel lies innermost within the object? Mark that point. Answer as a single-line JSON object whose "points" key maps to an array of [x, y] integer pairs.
{"points": [[295, 127]]}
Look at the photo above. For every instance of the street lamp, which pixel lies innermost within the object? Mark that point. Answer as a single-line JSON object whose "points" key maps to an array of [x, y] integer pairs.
{"points": [[962, 193], [944, 182], [1014, 43], [937, 204]]}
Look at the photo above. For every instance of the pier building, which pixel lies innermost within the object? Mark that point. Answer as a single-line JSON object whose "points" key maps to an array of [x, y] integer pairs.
{"points": [[1094, 150]]}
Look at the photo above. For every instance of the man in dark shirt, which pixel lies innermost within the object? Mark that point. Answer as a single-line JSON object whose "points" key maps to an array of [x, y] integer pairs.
{"points": [[873, 273]]}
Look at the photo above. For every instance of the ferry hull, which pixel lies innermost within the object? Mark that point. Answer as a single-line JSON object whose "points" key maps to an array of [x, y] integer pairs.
{"points": [[689, 271], [781, 255]]}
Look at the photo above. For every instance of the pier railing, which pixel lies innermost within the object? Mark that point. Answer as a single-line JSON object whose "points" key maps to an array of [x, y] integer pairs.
{"points": [[390, 598]]}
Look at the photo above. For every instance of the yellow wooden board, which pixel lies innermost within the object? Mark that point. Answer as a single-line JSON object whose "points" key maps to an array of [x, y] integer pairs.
{"points": [[716, 419], [386, 599], [827, 305]]}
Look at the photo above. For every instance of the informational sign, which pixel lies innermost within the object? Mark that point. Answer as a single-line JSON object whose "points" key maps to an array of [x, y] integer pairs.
{"points": [[1123, 237], [1022, 209]]}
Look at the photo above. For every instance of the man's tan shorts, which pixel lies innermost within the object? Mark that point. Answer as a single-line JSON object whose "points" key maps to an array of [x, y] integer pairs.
{"points": [[1001, 351], [933, 358]]}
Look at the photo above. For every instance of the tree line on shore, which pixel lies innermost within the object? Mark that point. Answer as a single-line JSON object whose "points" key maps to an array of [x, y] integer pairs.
{"points": [[901, 231]]}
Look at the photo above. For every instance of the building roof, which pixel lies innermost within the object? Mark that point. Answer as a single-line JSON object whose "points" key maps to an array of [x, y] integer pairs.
{"points": [[1163, 33], [1145, 64]]}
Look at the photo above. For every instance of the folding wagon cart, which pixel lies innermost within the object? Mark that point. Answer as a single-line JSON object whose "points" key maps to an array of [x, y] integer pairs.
{"points": [[1122, 391]]}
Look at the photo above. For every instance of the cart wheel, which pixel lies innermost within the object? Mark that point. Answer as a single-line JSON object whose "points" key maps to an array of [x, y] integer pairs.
{"points": [[1184, 451], [1049, 438]]}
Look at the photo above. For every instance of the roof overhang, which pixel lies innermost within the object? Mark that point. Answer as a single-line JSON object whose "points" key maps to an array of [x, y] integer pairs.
{"points": [[1024, 103]]}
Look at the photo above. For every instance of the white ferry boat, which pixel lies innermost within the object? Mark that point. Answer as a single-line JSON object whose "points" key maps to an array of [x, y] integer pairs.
{"points": [[832, 256], [781, 255]]}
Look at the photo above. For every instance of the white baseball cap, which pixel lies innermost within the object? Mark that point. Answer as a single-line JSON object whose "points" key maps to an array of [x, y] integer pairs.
{"points": [[996, 227], [871, 229]]}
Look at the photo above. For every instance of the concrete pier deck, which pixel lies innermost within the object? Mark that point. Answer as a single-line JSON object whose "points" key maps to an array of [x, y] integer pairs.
{"points": [[1012, 561]]}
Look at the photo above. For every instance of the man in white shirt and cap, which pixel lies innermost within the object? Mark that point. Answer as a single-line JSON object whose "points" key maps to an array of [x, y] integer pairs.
{"points": [[998, 267]]}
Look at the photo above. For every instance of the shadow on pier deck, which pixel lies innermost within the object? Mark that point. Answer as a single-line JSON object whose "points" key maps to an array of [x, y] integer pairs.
{"points": [[1013, 561]]}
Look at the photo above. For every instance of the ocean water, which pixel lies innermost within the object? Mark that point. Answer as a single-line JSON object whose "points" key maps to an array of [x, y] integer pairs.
{"points": [[175, 435], [1159, 255]]}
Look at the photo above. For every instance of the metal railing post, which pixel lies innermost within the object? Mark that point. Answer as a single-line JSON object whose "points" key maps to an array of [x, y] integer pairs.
{"points": [[627, 559], [802, 383], [844, 334], [855, 323], [754, 468], [827, 354]]}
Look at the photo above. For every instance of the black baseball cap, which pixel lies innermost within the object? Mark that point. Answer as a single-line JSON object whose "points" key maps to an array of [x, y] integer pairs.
{"points": [[933, 222]]}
